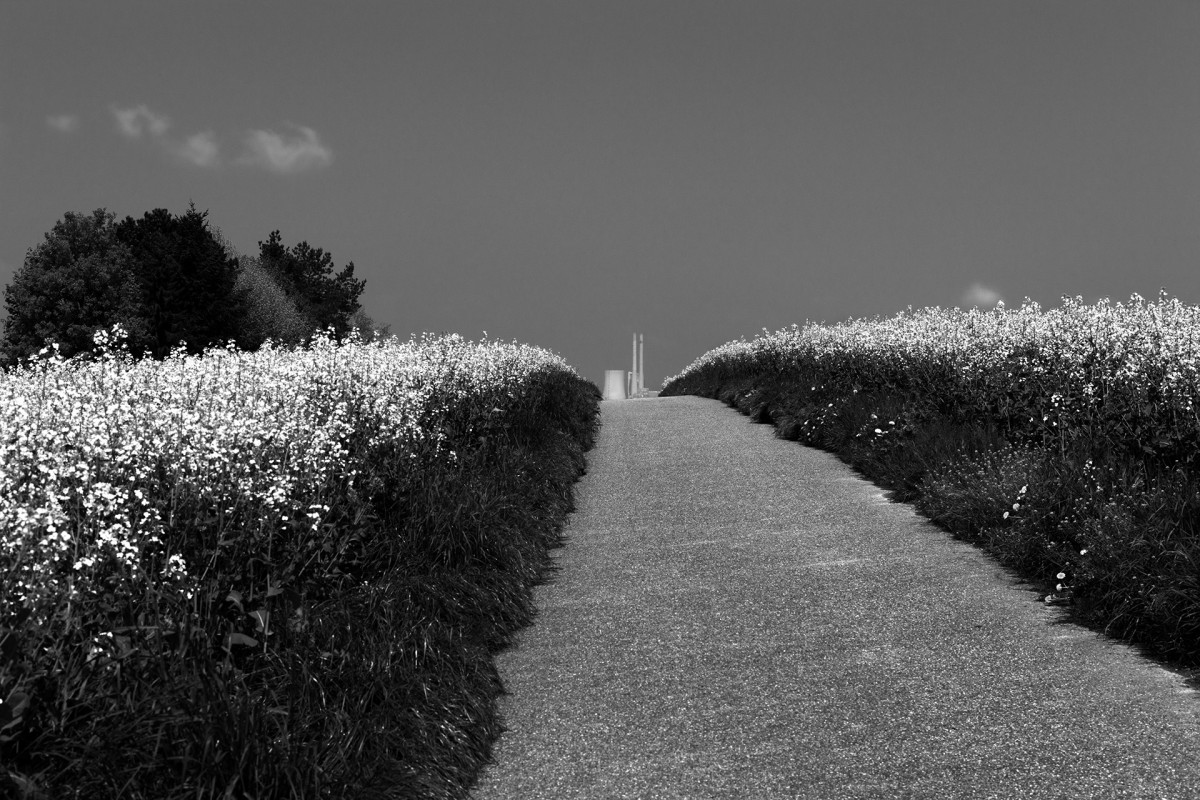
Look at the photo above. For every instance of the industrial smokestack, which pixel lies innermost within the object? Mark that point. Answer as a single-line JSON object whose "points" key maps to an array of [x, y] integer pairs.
{"points": [[641, 367], [633, 380], [637, 379]]}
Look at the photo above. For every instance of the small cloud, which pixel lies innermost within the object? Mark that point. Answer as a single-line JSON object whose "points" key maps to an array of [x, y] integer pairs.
{"points": [[200, 149], [133, 122], [980, 295], [280, 153], [63, 123], [286, 154]]}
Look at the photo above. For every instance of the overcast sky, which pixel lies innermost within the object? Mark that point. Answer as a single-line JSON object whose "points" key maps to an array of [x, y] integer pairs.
{"points": [[567, 173]]}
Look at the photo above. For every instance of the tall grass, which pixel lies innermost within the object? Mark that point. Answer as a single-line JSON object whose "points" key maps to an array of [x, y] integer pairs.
{"points": [[273, 574], [1065, 441]]}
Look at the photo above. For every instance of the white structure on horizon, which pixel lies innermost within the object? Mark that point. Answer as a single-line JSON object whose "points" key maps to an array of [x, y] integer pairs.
{"points": [[614, 384], [619, 384], [637, 376]]}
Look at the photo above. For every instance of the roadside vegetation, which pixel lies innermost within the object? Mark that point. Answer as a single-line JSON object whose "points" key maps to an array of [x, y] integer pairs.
{"points": [[270, 574], [1065, 441], [169, 279], [251, 546]]}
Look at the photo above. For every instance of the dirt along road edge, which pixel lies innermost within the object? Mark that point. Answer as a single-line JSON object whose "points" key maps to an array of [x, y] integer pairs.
{"points": [[740, 616]]}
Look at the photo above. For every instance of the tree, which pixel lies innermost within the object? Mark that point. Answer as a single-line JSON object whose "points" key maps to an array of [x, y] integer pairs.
{"points": [[186, 281], [77, 281], [367, 327], [306, 274], [269, 312], [170, 279]]}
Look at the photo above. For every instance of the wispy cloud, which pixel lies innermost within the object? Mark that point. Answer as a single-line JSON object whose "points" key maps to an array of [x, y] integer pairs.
{"points": [[980, 295], [63, 123], [200, 149], [284, 154], [133, 122]]}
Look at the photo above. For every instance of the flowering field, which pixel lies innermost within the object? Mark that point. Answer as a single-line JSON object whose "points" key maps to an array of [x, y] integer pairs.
{"points": [[206, 561], [1066, 441]]}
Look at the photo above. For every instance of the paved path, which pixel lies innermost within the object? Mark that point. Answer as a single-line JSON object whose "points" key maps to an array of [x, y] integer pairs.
{"points": [[739, 616]]}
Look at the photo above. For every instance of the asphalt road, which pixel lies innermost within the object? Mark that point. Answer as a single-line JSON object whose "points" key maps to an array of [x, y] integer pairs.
{"points": [[740, 616]]}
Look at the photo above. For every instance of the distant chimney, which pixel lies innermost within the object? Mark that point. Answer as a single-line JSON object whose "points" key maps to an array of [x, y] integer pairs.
{"points": [[636, 376], [633, 380], [641, 365], [619, 384]]}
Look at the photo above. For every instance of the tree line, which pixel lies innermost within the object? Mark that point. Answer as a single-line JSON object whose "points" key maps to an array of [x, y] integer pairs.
{"points": [[172, 280]]}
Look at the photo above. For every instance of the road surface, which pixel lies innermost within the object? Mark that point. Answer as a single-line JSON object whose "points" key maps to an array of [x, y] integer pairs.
{"points": [[741, 616]]}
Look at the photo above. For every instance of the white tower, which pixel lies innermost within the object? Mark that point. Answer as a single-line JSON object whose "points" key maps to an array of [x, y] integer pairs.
{"points": [[619, 384], [637, 381], [641, 365]]}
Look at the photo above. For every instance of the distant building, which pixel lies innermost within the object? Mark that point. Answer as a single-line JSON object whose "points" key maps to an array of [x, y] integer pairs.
{"points": [[620, 385], [614, 384]]}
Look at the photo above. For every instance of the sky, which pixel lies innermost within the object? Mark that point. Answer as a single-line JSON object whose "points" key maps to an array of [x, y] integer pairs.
{"points": [[568, 173]]}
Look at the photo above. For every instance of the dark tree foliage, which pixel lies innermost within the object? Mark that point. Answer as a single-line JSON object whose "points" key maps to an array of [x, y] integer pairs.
{"points": [[77, 281], [306, 273], [170, 279], [368, 327], [186, 281]]}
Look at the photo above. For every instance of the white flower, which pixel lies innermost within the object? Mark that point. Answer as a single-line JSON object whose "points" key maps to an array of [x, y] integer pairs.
{"points": [[112, 444]]}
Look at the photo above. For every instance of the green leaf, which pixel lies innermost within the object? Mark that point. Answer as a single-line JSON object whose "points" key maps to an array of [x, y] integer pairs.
{"points": [[9, 645], [12, 709], [240, 640]]}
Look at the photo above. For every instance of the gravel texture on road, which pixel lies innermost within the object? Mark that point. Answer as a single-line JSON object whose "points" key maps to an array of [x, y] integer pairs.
{"points": [[740, 616]]}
